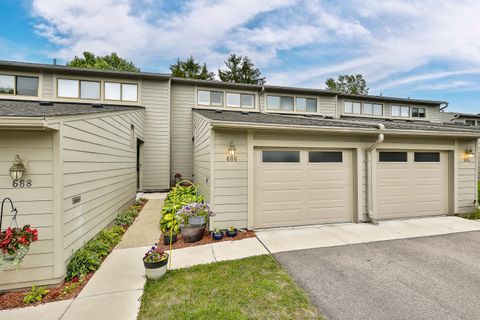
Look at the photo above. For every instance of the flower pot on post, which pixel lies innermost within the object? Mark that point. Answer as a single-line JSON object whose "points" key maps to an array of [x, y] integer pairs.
{"points": [[155, 263]]}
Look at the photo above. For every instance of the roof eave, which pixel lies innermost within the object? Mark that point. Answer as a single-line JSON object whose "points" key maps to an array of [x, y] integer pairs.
{"points": [[26, 123], [252, 125]]}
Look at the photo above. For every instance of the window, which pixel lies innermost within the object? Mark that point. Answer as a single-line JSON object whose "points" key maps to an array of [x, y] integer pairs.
{"points": [[203, 98], [240, 100], [281, 156], [427, 156], [7, 84], [129, 92], [210, 98], [418, 112], [68, 88], [286, 103], [306, 104], [27, 86], [233, 99], [401, 111], [89, 90], [273, 102], [112, 91], [392, 156], [325, 156], [352, 107], [470, 122], [373, 109]]}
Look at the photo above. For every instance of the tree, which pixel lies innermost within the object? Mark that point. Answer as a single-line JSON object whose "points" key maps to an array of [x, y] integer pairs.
{"points": [[352, 84], [108, 62], [240, 70], [191, 70]]}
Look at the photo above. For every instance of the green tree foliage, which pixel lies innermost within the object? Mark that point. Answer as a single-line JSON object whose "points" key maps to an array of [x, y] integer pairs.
{"points": [[352, 84], [240, 69], [191, 69], [108, 62]]}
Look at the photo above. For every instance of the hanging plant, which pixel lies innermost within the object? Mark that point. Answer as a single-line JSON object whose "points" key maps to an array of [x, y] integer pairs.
{"points": [[14, 245]]}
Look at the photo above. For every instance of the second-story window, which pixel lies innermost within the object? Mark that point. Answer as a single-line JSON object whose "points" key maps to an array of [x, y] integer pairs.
{"points": [[418, 112], [352, 107], [374, 109], [83, 89], [19, 85], [237, 100], [121, 91], [210, 98], [470, 122], [306, 104], [401, 111], [289, 103], [90, 90]]}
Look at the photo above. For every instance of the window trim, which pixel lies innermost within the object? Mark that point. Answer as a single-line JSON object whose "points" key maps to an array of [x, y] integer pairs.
{"points": [[416, 107], [63, 97], [15, 92]]}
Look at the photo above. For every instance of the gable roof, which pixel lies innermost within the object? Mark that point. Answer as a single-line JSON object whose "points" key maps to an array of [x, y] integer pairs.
{"points": [[22, 108], [349, 124]]}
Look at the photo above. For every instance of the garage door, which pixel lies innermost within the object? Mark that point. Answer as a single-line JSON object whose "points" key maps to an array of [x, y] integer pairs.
{"points": [[411, 183], [301, 187]]}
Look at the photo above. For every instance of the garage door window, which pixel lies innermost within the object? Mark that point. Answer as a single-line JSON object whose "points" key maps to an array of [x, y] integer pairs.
{"points": [[325, 156], [427, 157], [281, 156], [393, 156]]}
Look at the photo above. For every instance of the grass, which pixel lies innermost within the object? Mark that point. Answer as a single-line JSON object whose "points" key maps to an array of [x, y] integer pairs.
{"points": [[251, 288]]}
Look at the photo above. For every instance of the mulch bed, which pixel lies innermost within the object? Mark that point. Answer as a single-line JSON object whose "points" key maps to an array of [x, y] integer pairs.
{"points": [[207, 238], [14, 299]]}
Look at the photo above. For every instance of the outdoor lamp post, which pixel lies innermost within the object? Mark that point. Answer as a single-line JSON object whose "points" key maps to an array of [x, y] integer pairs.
{"points": [[17, 169]]}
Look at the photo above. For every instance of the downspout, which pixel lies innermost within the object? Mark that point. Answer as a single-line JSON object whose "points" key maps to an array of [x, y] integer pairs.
{"points": [[371, 216]]}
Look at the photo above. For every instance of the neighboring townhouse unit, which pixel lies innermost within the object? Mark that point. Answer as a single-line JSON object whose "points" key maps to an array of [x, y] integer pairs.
{"points": [[263, 156]]}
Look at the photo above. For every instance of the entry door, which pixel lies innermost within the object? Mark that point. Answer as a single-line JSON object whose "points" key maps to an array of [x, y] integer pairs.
{"points": [[302, 187], [412, 183]]}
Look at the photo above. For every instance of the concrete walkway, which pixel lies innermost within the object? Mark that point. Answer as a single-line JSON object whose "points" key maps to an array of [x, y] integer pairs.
{"points": [[290, 239]]}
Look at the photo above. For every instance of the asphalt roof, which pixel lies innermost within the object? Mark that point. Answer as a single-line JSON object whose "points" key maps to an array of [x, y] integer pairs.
{"points": [[329, 122], [22, 108]]}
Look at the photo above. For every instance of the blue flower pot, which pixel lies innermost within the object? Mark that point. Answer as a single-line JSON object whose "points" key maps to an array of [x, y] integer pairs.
{"points": [[217, 236], [232, 234]]}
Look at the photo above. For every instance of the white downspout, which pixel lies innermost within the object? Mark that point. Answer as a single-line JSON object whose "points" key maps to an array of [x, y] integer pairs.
{"points": [[371, 216]]}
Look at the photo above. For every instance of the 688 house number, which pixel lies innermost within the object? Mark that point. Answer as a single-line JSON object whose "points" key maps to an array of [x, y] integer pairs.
{"points": [[22, 183]]}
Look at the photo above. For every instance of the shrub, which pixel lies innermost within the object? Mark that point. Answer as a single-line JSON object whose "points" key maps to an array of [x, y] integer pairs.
{"points": [[178, 197], [111, 236], [475, 215], [83, 261], [127, 217], [35, 294], [100, 248]]}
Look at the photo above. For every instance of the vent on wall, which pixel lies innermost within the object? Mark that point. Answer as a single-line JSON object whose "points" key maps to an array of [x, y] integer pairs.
{"points": [[45, 103], [76, 199], [97, 105]]}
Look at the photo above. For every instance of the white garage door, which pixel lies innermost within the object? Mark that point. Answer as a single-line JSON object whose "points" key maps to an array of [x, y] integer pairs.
{"points": [[301, 187], [411, 183]]}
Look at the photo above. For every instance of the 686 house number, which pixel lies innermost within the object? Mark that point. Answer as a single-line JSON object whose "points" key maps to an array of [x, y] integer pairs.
{"points": [[22, 183]]}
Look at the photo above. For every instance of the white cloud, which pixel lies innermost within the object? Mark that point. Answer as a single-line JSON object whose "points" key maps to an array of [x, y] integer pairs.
{"points": [[393, 43]]}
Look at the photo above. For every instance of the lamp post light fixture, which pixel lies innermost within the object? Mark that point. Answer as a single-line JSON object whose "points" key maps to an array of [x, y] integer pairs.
{"points": [[232, 153], [17, 169], [469, 154]]}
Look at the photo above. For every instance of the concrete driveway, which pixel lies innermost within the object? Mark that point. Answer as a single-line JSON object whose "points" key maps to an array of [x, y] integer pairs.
{"points": [[435, 277]]}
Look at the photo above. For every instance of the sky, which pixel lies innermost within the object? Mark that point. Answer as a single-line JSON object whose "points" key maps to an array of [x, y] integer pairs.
{"points": [[427, 49]]}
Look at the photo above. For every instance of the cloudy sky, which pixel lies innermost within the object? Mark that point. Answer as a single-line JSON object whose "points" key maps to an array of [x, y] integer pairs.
{"points": [[419, 49]]}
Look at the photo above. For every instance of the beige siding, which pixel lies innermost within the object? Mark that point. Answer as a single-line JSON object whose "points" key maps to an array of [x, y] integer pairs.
{"points": [[155, 97], [202, 153], [183, 100], [230, 181], [99, 163], [35, 204], [466, 178], [47, 85]]}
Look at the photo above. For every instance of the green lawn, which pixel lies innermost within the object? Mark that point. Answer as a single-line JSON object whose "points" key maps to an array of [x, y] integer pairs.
{"points": [[251, 288]]}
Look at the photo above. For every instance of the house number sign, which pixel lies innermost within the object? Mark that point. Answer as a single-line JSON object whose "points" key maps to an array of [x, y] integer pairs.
{"points": [[22, 183]]}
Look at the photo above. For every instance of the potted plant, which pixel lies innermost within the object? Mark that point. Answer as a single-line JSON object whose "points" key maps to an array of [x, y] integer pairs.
{"points": [[155, 262], [170, 228], [193, 218], [14, 245], [217, 234], [178, 178], [231, 232]]}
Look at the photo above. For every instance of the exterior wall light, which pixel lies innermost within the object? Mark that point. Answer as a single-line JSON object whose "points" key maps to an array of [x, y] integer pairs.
{"points": [[232, 153], [17, 169], [469, 154]]}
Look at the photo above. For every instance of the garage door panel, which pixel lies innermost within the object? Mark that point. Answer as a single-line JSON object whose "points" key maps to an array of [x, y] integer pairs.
{"points": [[412, 188], [303, 193]]}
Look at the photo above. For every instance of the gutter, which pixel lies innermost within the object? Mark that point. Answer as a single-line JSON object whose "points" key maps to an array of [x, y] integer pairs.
{"points": [[444, 107], [370, 213]]}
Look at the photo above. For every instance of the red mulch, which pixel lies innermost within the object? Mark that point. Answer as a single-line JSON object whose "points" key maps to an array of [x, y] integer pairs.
{"points": [[14, 299], [206, 239]]}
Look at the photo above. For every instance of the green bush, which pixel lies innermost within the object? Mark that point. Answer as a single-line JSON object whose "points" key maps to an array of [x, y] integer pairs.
{"points": [[174, 201], [475, 215], [127, 217], [35, 294], [111, 236], [102, 249]]}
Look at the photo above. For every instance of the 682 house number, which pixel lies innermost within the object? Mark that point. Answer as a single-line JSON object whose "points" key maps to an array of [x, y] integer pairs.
{"points": [[22, 183]]}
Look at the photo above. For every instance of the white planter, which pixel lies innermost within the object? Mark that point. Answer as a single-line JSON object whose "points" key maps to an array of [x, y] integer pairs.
{"points": [[155, 273]]}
